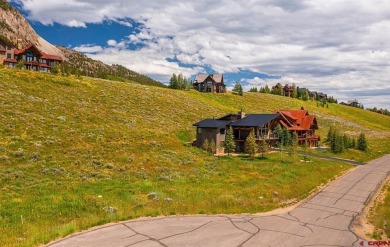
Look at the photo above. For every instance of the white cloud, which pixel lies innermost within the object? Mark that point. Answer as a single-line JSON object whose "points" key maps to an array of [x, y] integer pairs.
{"points": [[89, 48], [340, 47], [111, 42]]}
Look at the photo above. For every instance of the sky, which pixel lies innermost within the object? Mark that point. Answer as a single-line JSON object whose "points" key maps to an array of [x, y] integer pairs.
{"points": [[338, 47]]}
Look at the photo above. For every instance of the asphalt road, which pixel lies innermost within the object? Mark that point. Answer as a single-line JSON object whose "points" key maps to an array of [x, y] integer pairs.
{"points": [[323, 220]]}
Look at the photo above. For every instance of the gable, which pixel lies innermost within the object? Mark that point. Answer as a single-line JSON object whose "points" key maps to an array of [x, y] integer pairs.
{"points": [[215, 78]]}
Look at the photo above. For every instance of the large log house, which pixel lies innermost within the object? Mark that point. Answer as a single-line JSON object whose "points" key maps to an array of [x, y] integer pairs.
{"points": [[263, 126]]}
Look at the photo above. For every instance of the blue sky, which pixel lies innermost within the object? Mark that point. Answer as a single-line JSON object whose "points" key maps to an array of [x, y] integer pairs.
{"points": [[337, 47]]}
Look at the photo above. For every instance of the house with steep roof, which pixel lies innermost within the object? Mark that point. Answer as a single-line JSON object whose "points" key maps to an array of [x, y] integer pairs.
{"points": [[301, 122], [210, 83]]}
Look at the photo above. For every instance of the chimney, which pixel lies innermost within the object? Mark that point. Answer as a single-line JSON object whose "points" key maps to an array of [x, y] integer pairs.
{"points": [[241, 114], [19, 44]]}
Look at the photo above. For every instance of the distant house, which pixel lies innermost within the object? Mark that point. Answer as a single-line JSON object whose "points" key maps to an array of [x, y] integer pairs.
{"points": [[210, 83], [302, 123], [33, 58], [288, 90], [263, 126], [353, 103]]}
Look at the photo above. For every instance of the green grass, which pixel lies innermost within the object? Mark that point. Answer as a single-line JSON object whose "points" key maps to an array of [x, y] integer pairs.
{"points": [[76, 153], [379, 217]]}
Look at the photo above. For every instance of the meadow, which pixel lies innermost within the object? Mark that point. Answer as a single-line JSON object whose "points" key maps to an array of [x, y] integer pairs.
{"points": [[77, 152]]}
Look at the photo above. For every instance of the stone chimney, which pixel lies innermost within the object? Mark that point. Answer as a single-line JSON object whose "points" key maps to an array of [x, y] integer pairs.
{"points": [[241, 114], [19, 44]]}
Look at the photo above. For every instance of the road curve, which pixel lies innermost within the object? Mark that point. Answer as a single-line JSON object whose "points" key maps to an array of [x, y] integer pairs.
{"points": [[323, 220]]}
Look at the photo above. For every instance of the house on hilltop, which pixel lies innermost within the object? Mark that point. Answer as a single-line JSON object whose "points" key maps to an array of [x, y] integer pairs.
{"points": [[32, 57], [210, 83], [263, 125], [353, 103]]}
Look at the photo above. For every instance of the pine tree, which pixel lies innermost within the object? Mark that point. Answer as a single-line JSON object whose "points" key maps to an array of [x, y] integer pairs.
{"points": [[295, 91], [266, 89], [306, 96], [279, 133], [286, 137], [263, 147], [294, 142], [238, 89], [230, 144], [362, 143], [250, 145], [329, 135], [180, 81], [173, 82], [346, 141]]}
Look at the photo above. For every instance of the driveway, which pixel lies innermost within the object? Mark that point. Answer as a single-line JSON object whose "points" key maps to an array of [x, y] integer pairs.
{"points": [[323, 220]]}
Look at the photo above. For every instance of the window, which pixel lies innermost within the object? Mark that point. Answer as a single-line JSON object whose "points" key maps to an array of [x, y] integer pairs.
{"points": [[222, 131], [199, 131], [8, 56], [9, 47]]}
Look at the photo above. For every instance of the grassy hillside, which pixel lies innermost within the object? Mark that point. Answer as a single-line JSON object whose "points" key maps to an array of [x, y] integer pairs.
{"points": [[81, 152]]}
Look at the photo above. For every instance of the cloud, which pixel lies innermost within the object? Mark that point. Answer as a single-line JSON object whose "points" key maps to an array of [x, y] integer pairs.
{"points": [[333, 46], [89, 48]]}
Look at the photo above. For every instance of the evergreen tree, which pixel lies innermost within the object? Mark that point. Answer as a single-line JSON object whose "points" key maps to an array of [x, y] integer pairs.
{"points": [[295, 91], [250, 145], [294, 142], [362, 143], [261, 90], [253, 90], [266, 89], [263, 147], [180, 81], [306, 96], [337, 143], [329, 135], [279, 133], [346, 141], [286, 137], [238, 89], [230, 144], [173, 82]]}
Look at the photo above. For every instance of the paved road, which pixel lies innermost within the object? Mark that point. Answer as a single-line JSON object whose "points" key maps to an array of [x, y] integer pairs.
{"points": [[323, 220]]}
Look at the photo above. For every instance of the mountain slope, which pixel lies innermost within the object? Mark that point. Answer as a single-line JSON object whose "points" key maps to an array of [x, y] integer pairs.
{"points": [[76, 152], [15, 29]]}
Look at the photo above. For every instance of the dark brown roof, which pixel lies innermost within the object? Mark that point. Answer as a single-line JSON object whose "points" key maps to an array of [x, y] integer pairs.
{"points": [[212, 123], [255, 120]]}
